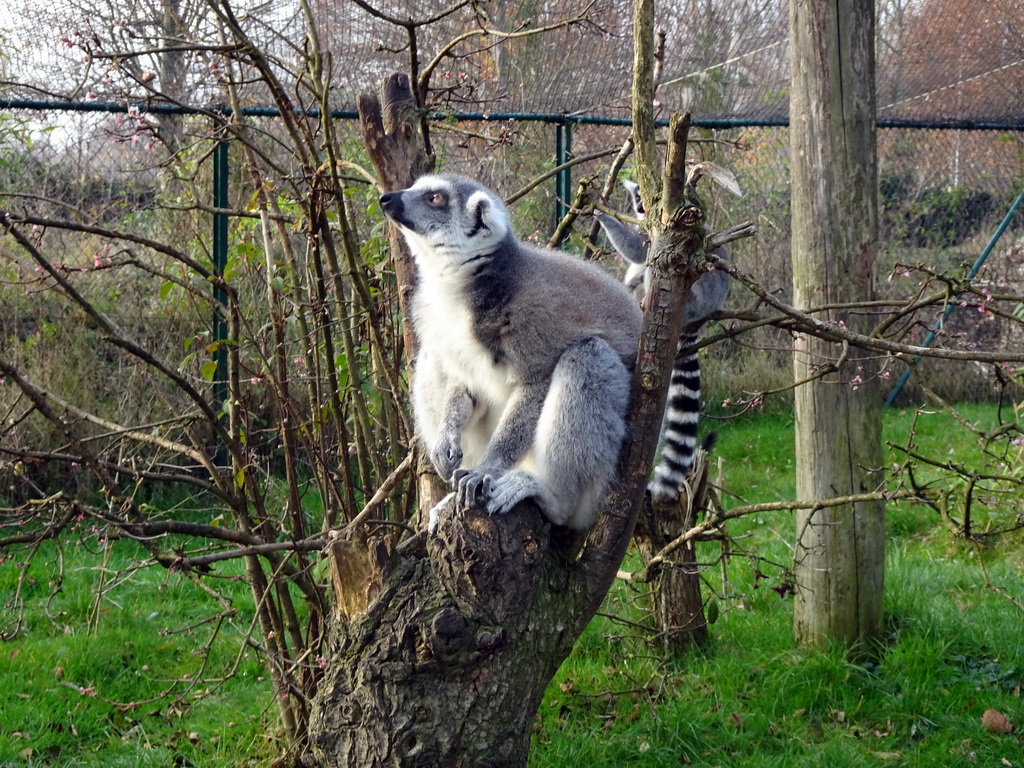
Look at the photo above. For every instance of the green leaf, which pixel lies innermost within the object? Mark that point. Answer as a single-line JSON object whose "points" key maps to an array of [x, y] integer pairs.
{"points": [[209, 370], [712, 611], [322, 569]]}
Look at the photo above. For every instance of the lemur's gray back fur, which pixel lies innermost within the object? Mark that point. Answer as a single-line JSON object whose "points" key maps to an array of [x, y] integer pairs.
{"points": [[522, 378], [682, 410]]}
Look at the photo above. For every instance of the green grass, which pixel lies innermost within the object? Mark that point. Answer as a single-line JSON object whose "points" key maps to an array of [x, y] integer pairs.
{"points": [[752, 699], [952, 650], [83, 686]]}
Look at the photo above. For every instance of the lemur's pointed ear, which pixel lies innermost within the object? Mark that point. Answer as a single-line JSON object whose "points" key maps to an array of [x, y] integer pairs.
{"points": [[485, 213], [479, 207]]}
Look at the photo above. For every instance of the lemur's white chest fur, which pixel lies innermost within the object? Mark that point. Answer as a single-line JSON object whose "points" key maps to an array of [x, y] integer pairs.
{"points": [[445, 327]]}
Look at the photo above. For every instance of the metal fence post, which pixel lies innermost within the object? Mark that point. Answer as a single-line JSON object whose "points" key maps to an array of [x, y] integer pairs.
{"points": [[563, 179]]}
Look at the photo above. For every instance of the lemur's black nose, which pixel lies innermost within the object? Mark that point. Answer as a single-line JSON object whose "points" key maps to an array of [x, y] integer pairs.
{"points": [[391, 202]]}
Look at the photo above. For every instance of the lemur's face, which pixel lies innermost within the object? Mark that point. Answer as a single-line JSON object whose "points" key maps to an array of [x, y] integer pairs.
{"points": [[633, 190], [447, 217]]}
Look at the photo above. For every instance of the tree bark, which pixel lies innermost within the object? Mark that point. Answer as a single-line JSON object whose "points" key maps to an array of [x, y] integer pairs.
{"points": [[448, 665], [840, 551], [675, 594], [676, 602]]}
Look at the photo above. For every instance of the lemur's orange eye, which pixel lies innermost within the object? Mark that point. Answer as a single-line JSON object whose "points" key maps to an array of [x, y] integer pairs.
{"points": [[436, 199]]}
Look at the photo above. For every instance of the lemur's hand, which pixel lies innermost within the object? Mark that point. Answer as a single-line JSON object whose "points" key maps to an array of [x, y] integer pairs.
{"points": [[446, 455], [472, 487]]}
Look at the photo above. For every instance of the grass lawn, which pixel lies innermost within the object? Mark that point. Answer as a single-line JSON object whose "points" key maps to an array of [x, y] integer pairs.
{"points": [[953, 648], [84, 683], [80, 686]]}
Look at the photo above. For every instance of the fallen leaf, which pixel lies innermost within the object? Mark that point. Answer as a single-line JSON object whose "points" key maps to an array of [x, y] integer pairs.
{"points": [[888, 756], [994, 721]]}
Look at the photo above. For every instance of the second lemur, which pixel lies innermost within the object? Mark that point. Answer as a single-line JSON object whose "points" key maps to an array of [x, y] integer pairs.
{"points": [[678, 442], [523, 373]]}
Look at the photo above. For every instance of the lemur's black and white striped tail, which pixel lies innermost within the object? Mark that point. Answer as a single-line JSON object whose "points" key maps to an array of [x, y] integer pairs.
{"points": [[679, 426], [678, 443]]}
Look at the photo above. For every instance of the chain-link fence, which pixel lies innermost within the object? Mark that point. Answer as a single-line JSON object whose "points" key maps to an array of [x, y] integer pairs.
{"points": [[942, 194], [112, 115], [938, 60]]}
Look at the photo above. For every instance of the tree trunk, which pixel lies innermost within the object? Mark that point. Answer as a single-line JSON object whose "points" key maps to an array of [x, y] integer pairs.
{"points": [[840, 551], [441, 650], [468, 630], [676, 602]]}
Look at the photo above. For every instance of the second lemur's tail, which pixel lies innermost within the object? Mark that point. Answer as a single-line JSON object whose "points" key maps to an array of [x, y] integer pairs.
{"points": [[679, 427]]}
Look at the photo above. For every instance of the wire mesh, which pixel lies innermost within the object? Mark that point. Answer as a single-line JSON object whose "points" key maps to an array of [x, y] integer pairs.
{"points": [[942, 63], [937, 60]]}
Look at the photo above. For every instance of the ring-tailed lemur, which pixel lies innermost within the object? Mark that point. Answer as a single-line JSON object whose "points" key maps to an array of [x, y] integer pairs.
{"points": [[522, 378], [678, 442]]}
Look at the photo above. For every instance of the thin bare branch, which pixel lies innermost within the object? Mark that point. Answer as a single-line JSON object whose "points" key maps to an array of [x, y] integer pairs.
{"points": [[828, 330], [712, 522]]}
